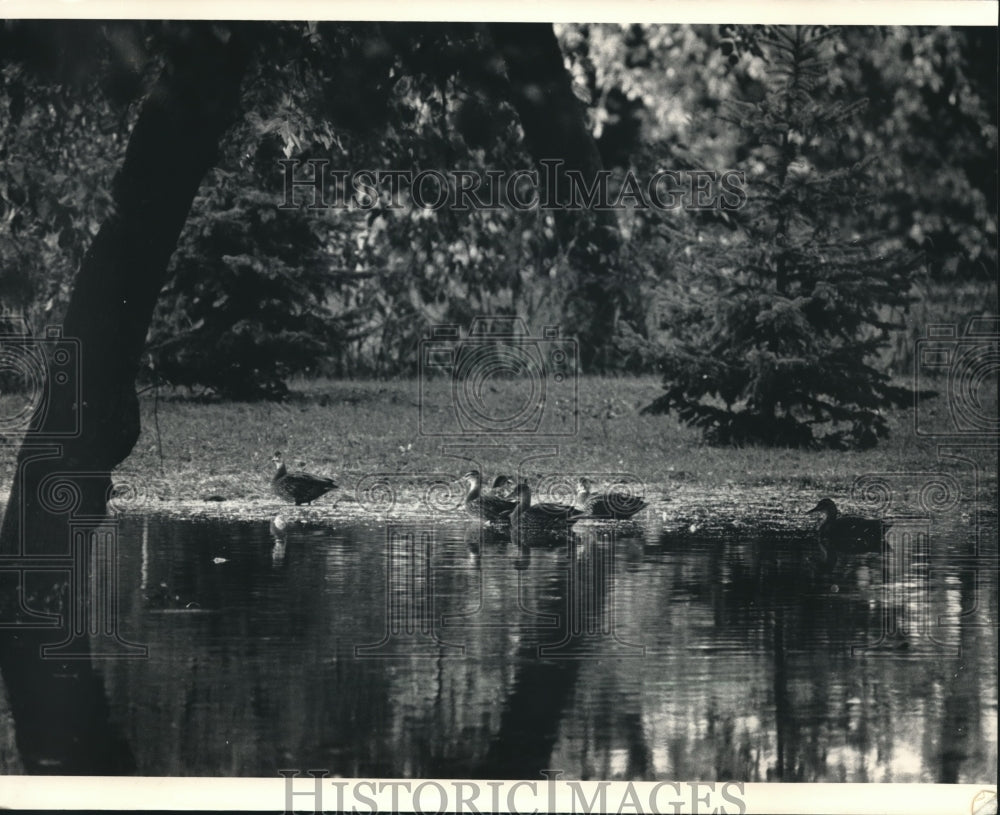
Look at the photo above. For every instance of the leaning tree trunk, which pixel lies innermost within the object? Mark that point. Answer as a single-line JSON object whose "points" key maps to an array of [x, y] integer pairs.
{"points": [[62, 482], [555, 128]]}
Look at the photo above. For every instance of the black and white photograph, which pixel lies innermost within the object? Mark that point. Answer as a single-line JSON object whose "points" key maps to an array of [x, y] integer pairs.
{"points": [[487, 415]]}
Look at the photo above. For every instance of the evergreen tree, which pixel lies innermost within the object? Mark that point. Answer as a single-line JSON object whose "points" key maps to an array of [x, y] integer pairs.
{"points": [[776, 323], [245, 305]]}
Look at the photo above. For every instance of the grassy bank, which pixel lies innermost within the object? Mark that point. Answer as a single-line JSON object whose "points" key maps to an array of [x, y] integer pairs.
{"points": [[189, 450]]}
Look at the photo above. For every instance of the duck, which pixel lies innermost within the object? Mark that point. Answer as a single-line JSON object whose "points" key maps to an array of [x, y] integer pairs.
{"points": [[848, 533], [490, 508], [301, 488], [616, 505], [540, 519], [499, 483]]}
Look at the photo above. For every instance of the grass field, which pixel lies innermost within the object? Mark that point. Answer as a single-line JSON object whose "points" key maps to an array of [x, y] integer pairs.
{"points": [[189, 450]]}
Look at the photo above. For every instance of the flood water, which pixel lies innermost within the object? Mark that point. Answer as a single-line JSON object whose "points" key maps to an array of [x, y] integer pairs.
{"points": [[413, 648]]}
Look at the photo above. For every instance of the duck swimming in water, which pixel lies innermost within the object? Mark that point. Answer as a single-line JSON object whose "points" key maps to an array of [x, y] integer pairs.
{"points": [[540, 519], [616, 505], [848, 533], [491, 508], [301, 488]]}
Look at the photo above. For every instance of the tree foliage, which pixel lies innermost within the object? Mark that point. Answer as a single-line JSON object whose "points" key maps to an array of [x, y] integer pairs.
{"points": [[63, 139], [244, 307], [776, 325], [362, 286]]}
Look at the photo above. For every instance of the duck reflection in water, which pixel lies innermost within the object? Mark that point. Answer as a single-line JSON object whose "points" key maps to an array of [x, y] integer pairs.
{"points": [[278, 527], [522, 557], [279, 531], [485, 536]]}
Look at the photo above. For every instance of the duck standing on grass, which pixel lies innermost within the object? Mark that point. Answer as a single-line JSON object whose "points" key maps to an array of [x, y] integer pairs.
{"points": [[540, 519], [491, 508], [848, 533], [617, 505], [301, 488]]}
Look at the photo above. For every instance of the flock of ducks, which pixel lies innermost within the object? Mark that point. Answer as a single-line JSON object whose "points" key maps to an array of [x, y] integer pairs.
{"points": [[543, 518], [843, 533]]}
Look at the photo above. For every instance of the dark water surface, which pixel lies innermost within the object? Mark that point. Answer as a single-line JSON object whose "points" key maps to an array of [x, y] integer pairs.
{"points": [[417, 649]]}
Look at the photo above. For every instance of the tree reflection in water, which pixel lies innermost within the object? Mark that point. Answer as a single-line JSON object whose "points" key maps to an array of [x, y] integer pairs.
{"points": [[648, 656]]}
